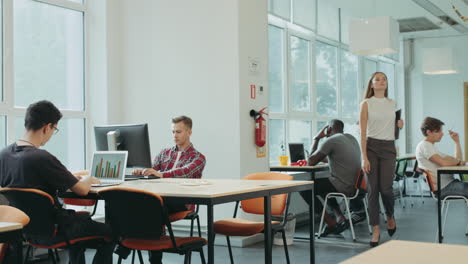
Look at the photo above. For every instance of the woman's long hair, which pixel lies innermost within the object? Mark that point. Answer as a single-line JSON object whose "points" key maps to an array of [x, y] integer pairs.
{"points": [[370, 90]]}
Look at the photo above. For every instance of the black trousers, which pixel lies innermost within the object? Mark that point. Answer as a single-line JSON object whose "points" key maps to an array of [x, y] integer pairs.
{"points": [[81, 225]]}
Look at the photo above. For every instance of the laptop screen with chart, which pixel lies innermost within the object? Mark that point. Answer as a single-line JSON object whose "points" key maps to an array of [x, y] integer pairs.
{"points": [[109, 166]]}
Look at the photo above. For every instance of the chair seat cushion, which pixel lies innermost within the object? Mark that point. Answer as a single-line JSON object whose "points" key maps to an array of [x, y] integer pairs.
{"points": [[62, 244], [178, 216], [163, 243], [239, 227]]}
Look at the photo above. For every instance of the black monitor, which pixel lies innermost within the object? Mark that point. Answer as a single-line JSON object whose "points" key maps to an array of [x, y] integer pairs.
{"points": [[296, 151], [132, 138]]}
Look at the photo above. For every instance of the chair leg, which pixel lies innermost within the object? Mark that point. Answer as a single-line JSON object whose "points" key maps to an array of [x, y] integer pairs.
{"points": [[51, 255], [191, 226], [323, 216], [198, 224], [401, 195], [133, 256], [188, 257], [230, 250], [56, 254], [350, 219], [140, 257], [283, 234], [26, 256], [120, 260], [445, 217], [367, 214], [202, 256], [466, 229]]}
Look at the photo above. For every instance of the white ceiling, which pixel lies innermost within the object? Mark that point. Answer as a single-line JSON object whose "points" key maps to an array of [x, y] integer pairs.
{"points": [[399, 9]]}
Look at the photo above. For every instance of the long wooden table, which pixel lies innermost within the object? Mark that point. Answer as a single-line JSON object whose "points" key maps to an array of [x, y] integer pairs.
{"points": [[219, 192], [11, 232], [396, 251], [440, 171]]}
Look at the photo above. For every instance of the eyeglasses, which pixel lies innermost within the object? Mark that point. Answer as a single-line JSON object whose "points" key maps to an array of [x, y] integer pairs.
{"points": [[56, 129]]}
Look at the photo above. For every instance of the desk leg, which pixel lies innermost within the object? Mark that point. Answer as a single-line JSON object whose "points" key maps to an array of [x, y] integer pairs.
{"points": [[311, 228], [439, 214], [209, 209], [267, 230]]}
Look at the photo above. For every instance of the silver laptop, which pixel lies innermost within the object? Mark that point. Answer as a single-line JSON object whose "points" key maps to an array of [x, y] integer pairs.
{"points": [[109, 167]]}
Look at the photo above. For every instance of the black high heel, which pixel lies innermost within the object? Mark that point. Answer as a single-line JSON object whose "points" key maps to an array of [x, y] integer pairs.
{"points": [[376, 243], [393, 230]]}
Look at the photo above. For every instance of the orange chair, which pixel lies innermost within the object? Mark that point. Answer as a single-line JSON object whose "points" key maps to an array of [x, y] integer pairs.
{"points": [[12, 215], [359, 186], [44, 224], [138, 228], [445, 201], [241, 227]]}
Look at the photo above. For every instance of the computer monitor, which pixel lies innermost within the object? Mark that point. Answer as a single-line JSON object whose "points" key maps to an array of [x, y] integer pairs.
{"points": [[296, 151], [132, 138]]}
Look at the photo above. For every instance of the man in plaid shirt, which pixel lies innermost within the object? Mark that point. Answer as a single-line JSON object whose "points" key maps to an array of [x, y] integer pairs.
{"points": [[180, 161]]}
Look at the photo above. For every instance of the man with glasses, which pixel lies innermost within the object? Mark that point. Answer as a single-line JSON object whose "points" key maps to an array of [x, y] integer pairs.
{"points": [[24, 164]]}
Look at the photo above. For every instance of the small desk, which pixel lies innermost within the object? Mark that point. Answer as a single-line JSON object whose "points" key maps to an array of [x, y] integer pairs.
{"points": [[446, 170], [11, 233], [396, 251], [219, 192], [311, 169]]}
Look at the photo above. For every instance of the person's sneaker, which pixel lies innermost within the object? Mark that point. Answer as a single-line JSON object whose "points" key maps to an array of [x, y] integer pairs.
{"points": [[358, 217], [336, 229], [341, 226]]}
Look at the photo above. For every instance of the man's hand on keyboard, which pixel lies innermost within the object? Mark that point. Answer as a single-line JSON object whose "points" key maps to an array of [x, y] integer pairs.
{"points": [[148, 172]]}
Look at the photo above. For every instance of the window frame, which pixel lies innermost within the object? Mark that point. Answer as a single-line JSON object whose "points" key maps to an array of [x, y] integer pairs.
{"points": [[7, 105]]}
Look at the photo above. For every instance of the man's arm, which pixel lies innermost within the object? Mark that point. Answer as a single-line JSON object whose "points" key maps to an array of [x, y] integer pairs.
{"points": [[318, 156], [83, 186], [192, 169], [446, 161]]}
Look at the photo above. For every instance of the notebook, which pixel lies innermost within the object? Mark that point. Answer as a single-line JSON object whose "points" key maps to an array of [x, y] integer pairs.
{"points": [[296, 152], [109, 167]]}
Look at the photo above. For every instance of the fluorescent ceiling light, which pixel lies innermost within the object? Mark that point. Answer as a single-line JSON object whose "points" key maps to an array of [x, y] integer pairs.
{"points": [[438, 61]]}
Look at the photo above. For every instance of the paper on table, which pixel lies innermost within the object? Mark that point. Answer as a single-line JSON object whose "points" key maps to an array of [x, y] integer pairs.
{"points": [[397, 117]]}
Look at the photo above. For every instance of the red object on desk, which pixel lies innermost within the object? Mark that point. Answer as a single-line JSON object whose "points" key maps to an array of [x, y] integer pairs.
{"points": [[299, 163]]}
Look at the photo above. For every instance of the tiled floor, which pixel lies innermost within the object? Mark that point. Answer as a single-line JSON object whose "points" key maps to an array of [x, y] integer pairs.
{"points": [[417, 223]]}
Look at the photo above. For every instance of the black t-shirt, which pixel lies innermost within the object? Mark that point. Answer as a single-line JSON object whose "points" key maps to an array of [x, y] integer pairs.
{"points": [[30, 167]]}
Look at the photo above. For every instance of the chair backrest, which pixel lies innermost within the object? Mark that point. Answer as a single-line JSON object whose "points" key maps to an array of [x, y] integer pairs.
{"points": [[134, 213], [12, 215], [79, 202], [361, 182], [278, 202], [400, 169], [428, 177], [39, 206]]}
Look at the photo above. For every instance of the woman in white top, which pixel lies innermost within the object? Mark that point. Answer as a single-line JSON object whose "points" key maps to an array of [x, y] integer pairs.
{"points": [[377, 121]]}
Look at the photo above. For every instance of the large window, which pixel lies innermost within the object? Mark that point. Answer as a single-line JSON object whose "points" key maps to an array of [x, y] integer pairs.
{"points": [[313, 80], [45, 54]]}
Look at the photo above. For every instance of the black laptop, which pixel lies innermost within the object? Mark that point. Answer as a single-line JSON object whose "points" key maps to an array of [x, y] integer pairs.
{"points": [[296, 152]]}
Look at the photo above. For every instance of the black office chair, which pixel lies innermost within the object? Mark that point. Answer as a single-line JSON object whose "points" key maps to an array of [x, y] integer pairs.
{"points": [[46, 229], [141, 229]]}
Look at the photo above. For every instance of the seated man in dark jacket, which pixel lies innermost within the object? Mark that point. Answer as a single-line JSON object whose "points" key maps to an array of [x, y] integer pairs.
{"points": [[24, 164]]}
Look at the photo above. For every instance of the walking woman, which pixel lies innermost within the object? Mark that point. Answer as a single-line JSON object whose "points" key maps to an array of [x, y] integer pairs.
{"points": [[377, 121]]}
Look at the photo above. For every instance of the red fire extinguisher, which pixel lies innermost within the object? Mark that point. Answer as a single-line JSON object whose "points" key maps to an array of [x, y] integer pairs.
{"points": [[260, 126]]}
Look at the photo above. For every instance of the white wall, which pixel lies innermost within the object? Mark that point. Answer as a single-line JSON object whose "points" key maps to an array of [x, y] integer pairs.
{"points": [[170, 58], [439, 96]]}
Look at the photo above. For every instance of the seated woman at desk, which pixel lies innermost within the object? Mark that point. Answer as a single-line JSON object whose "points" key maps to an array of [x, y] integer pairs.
{"points": [[430, 158]]}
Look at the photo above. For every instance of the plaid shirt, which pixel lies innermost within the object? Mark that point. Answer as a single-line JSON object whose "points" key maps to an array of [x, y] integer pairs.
{"points": [[190, 165]]}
